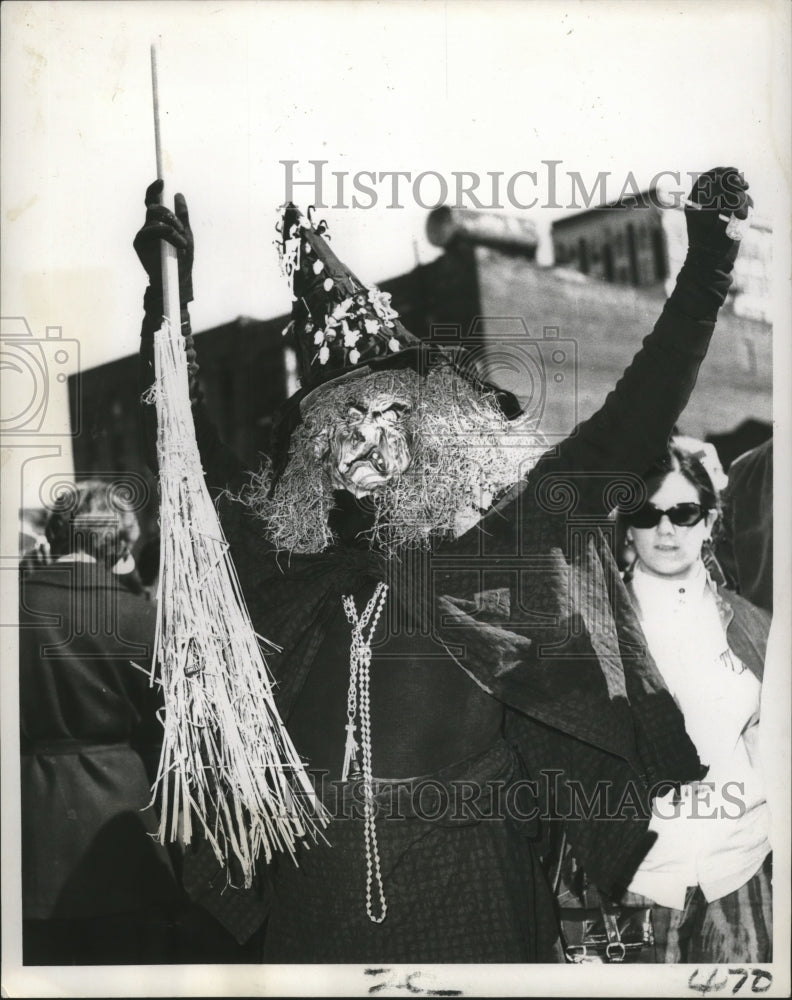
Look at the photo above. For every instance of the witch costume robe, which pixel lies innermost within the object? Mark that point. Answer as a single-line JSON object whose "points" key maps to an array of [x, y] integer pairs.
{"points": [[507, 654]]}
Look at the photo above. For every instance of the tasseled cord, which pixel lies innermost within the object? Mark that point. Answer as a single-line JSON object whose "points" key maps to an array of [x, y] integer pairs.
{"points": [[227, 760]]}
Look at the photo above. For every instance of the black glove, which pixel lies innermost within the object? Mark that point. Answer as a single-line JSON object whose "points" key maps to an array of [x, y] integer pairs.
{"points": [[162, 224], [720, 192]]}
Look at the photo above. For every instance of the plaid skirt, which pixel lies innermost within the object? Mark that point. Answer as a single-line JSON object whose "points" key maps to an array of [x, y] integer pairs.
{"points": [[736, 928]]}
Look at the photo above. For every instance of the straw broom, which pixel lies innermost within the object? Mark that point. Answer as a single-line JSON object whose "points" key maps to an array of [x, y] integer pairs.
{"points": [[227, 761]]}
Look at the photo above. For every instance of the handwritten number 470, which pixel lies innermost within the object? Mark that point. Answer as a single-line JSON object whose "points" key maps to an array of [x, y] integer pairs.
{"points": [[761, 981]]}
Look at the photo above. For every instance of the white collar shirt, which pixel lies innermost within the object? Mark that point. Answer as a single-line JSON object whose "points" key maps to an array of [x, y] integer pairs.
{"points": [[715, 834]]}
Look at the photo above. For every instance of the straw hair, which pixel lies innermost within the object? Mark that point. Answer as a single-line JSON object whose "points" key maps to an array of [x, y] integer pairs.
{"points": [[464, 454], [227, 761]]}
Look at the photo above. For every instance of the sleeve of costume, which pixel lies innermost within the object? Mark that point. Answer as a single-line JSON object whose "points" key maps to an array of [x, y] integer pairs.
{"points": [[222, 468], [633, 425]]}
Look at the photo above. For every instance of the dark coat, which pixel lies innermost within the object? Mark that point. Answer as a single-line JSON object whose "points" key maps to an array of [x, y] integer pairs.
{"points": [[745, 547], [747, 629], [87, 720]]}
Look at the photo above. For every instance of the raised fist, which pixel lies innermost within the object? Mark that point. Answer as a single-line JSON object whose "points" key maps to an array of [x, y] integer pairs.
{"points": [[717, 200], [174, 228]]}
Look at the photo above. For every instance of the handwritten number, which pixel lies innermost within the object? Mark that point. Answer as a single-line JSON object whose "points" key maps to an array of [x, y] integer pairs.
{"points": [[761, 974], [710, 986], [761, 981]]}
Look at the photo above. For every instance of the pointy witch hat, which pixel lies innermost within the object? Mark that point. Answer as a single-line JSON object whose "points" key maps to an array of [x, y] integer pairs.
{"points": [[342, 327]]}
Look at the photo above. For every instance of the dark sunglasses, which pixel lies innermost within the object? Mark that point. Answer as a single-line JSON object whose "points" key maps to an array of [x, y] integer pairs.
{"points": [[683, 515]]}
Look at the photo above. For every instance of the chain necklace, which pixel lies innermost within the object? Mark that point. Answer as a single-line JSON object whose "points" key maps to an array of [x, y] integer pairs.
{"points": [[359, 704]]}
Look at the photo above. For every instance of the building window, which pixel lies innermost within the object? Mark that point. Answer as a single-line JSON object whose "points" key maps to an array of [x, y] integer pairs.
{"points": [[607, 262], [632, 254], [659, 254], [583, 250]]}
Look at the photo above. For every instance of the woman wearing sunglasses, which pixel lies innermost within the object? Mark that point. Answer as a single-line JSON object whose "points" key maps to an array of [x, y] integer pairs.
{"points": [[707, 875]]}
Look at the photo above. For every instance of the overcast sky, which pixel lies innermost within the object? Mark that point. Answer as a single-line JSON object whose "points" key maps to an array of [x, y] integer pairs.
{"points": [[488, 87]]}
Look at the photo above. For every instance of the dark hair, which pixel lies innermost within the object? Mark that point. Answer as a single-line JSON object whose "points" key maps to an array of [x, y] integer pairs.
{"points": [[687, 465], [674, 460], [92, 517]]}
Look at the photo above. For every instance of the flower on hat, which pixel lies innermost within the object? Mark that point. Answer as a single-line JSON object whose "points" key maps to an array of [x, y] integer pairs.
{"points": [[318, 267], [381, 303], [372, 326], [319, 337], [324, 354], [327, 284], [341, 309], [351, 337], [354, 356], [394, 344]]}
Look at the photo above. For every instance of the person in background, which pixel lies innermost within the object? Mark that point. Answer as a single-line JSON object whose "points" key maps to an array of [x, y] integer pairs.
{"points": [[745, 548], [707, 875], [96, 887], [708, 456]]}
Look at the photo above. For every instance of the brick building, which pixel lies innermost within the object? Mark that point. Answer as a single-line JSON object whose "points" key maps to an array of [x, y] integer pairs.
{"points": [[637, 242]]}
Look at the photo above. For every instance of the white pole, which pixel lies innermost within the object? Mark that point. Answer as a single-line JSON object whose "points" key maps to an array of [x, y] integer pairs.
{"points": [[170, 264]]}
